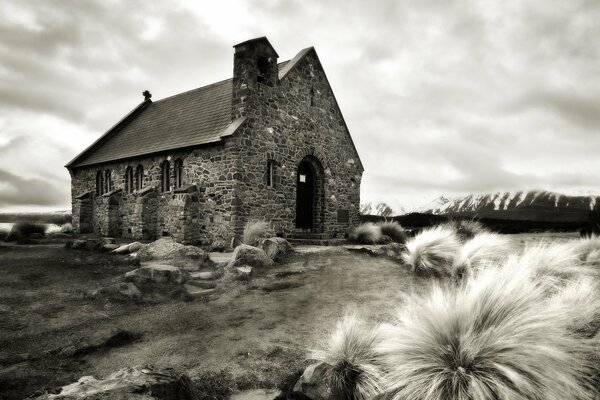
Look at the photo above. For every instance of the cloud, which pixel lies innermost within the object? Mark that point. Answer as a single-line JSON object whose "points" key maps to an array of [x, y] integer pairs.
{"points": [[441, 96], [16, 191]]}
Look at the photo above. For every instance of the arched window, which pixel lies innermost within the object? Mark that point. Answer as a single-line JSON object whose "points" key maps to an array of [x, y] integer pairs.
{"points": [[263, 70], [99, 183], [108, 185], [139, 177], [129, 180], [165, 176], [178, 173]]}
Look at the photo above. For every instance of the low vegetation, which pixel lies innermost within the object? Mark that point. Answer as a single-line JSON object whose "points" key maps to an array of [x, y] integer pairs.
{"points": [[367, 233], [357, 372], [513, 323], [466, 229], [254, 231], [432, 252], [393, 230], [25, 230]]}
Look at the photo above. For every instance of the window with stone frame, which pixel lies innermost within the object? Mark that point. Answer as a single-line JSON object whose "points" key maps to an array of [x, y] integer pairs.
{"points": [[271, 173], [108, 185], [139, 177], [99, 183], [312, 96], [165, 173], [178, 173], [129, 180]]}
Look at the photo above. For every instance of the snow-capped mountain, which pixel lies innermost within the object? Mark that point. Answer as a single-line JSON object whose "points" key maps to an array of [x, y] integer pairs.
{"points": [[506, 203]]}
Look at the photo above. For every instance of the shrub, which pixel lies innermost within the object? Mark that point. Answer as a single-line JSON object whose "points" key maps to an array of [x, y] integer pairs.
{"points": [[466, 229], [394, 230], [356, 371], [581, 298], [484, 248], [495, 337], [367, 233], [66, 228], [432, 251], [254, 231], [23, 230]]}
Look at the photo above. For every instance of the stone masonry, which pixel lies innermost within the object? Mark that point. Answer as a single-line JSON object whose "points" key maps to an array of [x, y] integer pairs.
{"points": [[290, 116]]}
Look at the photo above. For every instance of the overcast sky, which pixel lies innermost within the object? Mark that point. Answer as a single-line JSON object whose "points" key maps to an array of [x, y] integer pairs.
{"points": [[441, 97]]}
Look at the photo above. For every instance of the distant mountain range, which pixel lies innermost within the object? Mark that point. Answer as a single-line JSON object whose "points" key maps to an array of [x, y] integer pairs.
{"points": [[523, 205]]}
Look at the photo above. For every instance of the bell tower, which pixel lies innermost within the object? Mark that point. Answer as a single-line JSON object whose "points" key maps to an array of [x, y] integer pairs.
{"points": [[254, 68]]}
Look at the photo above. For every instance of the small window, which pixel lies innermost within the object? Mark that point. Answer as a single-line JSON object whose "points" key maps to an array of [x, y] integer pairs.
{"points": [[263, 70], [312, 97], [178, 173], [271, 173], [166, 176], [108, 185], [99, 183], [129, 180], [139, 177]]}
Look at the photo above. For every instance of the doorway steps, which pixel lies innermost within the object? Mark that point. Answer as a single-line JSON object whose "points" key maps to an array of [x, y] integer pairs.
{"points": [[305, 237]]}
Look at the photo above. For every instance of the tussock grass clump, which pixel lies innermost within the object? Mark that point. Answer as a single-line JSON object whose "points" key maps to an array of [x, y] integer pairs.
{"points": [[581, 299], [483, 249], [465, 229], [24, 230], [495, 337], [356, 371], [254, 231], [367, 233], [394, 230], [432, 251], [66, 228]]}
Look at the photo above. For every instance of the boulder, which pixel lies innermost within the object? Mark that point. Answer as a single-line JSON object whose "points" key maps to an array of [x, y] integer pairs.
{"points": [[110, 247], [205, 275], [168, 249], [137, 383], [157, 273], [128, 248], [314, 382], [75, 244], [195, 292], [244, 255], [243, 273], [276, 247], [120, 291]]}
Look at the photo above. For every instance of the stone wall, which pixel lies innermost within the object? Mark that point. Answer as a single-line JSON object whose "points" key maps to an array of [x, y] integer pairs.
{"points": [[287, 122], [83, 213]]}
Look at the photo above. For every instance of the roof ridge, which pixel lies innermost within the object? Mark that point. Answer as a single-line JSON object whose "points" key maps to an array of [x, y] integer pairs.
{"points": [[191, 90]]}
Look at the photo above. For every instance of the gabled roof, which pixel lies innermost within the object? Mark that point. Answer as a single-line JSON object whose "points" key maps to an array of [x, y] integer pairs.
{"points": [[193, 118]]}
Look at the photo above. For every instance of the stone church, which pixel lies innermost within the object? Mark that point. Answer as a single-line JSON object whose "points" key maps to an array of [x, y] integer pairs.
{"points": [[269, 144]]}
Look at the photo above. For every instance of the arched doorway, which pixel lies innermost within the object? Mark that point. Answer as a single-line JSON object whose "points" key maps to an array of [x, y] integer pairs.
{"points": [[309, 191]]}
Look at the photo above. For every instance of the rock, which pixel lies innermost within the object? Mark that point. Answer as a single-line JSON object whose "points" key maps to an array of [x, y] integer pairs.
{"points": [[385, 239], [276, 247], [169, 250], [243, 273], [120, 291], [314, 382], [36, 236], [108, 240], [205, 275], [110, 247], [249, 255], [137, 383], [128, 248], [156, 273], [75, 244], [195, 292], [255, 394], [392, 250], [94, 244], [203, 284]]}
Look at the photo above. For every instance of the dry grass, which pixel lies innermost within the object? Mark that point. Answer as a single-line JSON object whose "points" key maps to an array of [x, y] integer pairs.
{"points": [[495, 337], [66, 228], [483, 249], [465, 229], [254, 231], [432, 251], [356, 371], [367, 233], [24, 230], [394, 230]]}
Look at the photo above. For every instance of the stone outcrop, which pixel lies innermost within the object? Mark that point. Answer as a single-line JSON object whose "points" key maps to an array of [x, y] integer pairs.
{"points": [[314, 382], [276, 248], [245, 255], [137, 383]]}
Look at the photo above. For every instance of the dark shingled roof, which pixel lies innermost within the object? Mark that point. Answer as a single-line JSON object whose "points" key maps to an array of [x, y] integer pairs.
{"points": [[199, 116]]}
